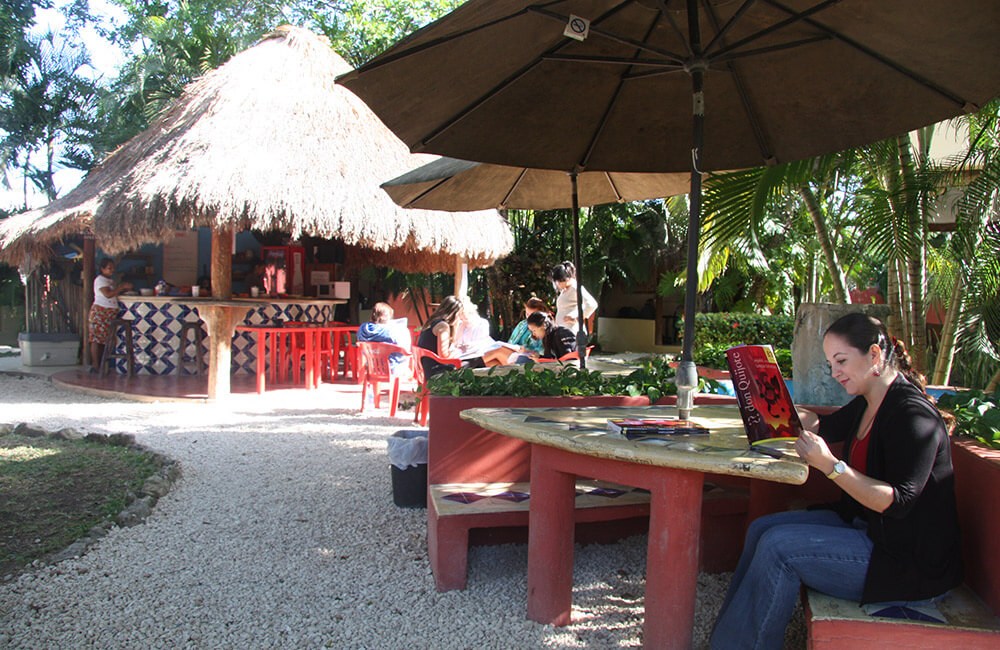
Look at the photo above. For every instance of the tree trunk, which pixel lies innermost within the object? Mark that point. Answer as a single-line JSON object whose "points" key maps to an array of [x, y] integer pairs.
{"points": [[992, 386], [829, 252], [946, 351], [917, 260]]}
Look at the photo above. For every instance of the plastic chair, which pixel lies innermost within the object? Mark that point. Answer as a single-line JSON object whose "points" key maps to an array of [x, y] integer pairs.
{"points": [[571, 356], [375, 370], [423, 395]]}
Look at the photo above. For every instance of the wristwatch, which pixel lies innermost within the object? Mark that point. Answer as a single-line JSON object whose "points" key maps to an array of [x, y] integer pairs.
{"points": [[838, 468]]}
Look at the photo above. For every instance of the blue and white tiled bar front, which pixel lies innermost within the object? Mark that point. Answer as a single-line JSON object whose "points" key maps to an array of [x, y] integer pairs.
{"points": [[157, 324]]}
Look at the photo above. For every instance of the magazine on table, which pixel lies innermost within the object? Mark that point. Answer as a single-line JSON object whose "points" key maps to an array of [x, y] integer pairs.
{"points": [[772, 424], [643, 428]]}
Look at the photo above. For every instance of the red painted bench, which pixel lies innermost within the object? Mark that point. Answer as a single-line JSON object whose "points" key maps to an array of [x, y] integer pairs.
{"points": [[969, 611]]}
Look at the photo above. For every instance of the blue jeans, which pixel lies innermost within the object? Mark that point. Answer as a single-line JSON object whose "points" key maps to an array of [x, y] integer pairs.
{"points": [[782, 552]]}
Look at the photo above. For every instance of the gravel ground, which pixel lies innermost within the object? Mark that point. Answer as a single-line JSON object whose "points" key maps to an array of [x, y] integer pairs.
{"points": [[281, 533]]}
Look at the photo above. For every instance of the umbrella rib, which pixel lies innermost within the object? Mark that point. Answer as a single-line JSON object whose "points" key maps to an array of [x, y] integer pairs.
{"points": [[444, 126], [614, 100], [391, 58], [611, 59], [721, 33], [793, 18], [771, 48], [611, 35], [755, 124], [412, 202], [614, 187], [503, 204], [920, 79], [666, 14]]}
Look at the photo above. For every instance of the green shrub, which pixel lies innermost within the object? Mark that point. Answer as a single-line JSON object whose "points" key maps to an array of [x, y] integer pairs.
{"points": [[737, 328], [976, 413], [653, 379]]}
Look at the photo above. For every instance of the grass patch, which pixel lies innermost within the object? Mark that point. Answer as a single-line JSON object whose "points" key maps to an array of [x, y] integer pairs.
{"points": [[53, 491]]}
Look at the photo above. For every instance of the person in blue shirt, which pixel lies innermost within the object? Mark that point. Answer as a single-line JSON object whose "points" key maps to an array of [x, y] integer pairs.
{"points": [[379, 330], [520, 337]]}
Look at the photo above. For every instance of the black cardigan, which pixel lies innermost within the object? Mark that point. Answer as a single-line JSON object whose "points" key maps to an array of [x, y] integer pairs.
{"points": [[917, 552], [557, 342]]}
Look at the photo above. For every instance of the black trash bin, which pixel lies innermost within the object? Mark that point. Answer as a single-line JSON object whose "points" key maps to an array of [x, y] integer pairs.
{"points": [[408, 464]]}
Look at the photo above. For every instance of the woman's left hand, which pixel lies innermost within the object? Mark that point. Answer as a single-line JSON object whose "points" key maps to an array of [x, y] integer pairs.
{"points": [[812, 449]]}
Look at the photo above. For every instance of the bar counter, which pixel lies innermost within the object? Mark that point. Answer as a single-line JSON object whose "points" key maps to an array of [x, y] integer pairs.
{"points": [[157, 322]]}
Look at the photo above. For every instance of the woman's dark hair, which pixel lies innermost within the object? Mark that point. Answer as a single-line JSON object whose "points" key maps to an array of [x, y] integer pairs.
{"points": [[563, 272], [106, 261], [447, 311], [537, 304], [542, 319], [861, 331]]}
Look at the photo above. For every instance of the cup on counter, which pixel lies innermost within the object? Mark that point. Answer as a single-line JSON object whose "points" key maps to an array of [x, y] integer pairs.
{"points": [[254, 292], [195, 291]]}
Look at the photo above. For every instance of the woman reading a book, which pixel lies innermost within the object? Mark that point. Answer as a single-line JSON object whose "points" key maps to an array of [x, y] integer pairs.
{"points": [[893, 537], [556, 340], [521, 343]]}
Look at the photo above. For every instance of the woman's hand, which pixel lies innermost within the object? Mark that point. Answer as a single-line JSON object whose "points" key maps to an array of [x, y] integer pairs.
{"points": [[812, 449], [809, 419]]}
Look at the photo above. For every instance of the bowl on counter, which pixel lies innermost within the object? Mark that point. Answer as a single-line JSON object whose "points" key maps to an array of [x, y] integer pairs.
{"points": [[145, 292]]}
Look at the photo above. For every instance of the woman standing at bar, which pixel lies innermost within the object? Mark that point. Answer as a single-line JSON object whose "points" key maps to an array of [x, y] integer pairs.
{"points": [[103, 311]]}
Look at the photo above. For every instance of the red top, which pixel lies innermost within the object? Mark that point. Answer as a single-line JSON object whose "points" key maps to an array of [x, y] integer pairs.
{"points": [[859, 453]]}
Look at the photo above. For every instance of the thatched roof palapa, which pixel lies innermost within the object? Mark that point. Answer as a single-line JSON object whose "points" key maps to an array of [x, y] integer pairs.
{"points": [[268, 141]]}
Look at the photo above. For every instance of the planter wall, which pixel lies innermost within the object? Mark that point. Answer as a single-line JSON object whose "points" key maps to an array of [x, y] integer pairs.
{"points": [[977, 489], [462, 452]]}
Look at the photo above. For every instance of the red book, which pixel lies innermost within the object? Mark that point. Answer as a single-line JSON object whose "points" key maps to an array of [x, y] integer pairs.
{"points": [[767, 408]]}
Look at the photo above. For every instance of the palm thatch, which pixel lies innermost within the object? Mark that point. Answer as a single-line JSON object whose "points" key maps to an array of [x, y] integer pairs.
{"points": [[268, 141]]}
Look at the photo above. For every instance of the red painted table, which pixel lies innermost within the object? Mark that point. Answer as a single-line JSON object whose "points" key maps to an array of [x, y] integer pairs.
{"points": [[338, 334], [268, 341], [571, 442]]}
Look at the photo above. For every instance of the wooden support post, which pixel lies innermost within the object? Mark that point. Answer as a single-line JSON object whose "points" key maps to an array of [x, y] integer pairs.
{"points": [[461, 278], [89, 273], [220, 319]]}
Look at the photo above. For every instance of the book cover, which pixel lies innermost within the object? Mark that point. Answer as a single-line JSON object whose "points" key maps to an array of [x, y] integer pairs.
{"points": [[767, 408], [636, 428]]}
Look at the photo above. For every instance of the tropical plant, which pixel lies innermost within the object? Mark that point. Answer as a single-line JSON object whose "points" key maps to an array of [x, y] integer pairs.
{"points": [[976, 414], [654, 379]]}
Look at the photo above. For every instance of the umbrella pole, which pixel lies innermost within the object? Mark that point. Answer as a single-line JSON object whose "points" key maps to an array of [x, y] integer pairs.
{"points": [[687, 373], [581, 335]]}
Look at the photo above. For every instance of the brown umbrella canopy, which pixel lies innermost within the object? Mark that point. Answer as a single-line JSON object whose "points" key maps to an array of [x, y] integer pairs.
{"points": [[671, 85], [496, 80], [450, 184], [269, 141]]}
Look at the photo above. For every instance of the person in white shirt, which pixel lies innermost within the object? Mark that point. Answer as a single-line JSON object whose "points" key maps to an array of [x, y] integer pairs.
{"points": [[103, 311], [474, 338], [564, 279]]}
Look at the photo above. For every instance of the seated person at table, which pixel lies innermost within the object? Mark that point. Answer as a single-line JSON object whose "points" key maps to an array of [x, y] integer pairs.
{"points": [[893, 537], [381, 330], [438, 335], [474, 338], [522, 340], [556, 340]]}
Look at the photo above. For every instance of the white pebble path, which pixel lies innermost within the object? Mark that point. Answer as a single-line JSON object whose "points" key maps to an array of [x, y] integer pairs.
{"points": [[281, 533]]}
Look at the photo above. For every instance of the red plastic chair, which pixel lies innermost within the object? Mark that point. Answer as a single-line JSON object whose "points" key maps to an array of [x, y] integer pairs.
{"points": [[375, 370], [423, 395], [571, 356]]}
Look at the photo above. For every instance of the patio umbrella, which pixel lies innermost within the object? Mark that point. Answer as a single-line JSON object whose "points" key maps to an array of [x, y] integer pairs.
{"points": [[451, 184], [611, 84]]}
